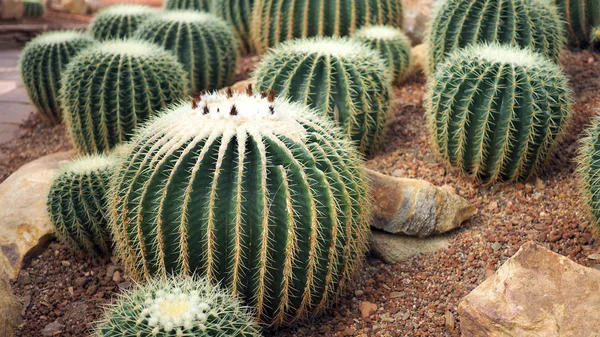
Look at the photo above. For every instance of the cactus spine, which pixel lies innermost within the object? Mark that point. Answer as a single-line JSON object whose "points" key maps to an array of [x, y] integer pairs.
{"points": [[342, 78], [497, 111], [108, 90], [177, 307], [195, 5], [588, 169], [274, 21], [262, 195], [581, 16], [41, 65], [535, 24], [119, 21], [76, 203], [239, 14], [393, 46], [33, 8], [204, 43]]}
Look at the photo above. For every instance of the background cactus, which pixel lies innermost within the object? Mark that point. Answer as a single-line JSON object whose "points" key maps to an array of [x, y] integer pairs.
{"points": [[239, 14], [496, 111], [119, 21], [108, 90], [588, 169], [582, 16], [195, 5], [41, 65], [33, 8], [393, 46], [204, 43], [343, 78], [76, 203], [274, 21], [177, 307], [526, 23], [262, 195]]}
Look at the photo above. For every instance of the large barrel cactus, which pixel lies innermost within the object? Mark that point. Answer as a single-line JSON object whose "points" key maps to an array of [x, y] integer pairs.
{"points": [[195, 5], [41, 65], [274, 21], [393, 46], [535, 24], [581, 16], [119, 21], [33, 8], [262, 195], [204, 44], [342, 78], [239, 14], [76, 203], [496, 111], [110, 89]]}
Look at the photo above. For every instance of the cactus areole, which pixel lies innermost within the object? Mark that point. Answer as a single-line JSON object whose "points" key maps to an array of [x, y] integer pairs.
{"points": [[260, 194]]}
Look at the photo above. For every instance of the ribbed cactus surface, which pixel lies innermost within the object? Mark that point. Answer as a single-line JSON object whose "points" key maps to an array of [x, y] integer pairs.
{"points": [[581, 16], [393, 46], [195, 5], [76, 203], [41, 65], [109, 90], [589, 169], [262, 195], [239, 15], [496, 111], [204, 44], [274, 21], [535, 24], [33, 8], [343, 78], [119, 21]]}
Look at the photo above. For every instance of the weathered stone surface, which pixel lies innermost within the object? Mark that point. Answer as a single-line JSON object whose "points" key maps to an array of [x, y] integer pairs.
{"points": [[418, 61], [11, 9], [24, 222], [70, 6], [535, 293], [416, 17], [392, 248], [239, 87], [415, 207], [10, 308]]}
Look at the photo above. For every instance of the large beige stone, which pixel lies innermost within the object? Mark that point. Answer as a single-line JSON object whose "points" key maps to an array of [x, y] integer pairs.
{"points": [[11, 9], [392, 248], [417, 14], [536, 293], [24, 222], [418, 61], [10, 308], [70, 6]]}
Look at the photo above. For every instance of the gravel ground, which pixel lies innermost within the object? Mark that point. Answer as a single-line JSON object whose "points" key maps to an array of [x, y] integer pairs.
{"points": [[416, 298]]}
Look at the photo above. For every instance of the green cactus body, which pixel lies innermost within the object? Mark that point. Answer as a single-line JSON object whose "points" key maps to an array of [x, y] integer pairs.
{"points": [[581, 16], [393, 46], [204, 44], [274, 21], [262, 195], [497, 111], [588, 170], [239, 14], [343, 78], [41, 65], [195, 5], [177, 306], [535, 24], [119, 21], [76, 203], [108, 90], [33, 8]]}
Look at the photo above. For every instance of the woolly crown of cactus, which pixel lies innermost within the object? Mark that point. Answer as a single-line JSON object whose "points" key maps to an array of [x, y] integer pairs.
{"points": [[119, 21]]}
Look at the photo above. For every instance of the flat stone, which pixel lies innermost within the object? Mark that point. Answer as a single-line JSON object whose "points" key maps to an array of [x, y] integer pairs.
{"points": [[10, 308], [8, 132], [535, 293], [24, 222], [11, 9], [392, 248], [14, 112]]}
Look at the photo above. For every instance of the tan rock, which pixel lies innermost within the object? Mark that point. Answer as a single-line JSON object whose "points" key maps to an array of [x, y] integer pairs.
{"points": [[24, 222], [10, 308], [416, 207], [70, 6], [11, 9], [239, 87], [392, 248], [418, 61], [416, 17], [535, 293], [367, 309]]}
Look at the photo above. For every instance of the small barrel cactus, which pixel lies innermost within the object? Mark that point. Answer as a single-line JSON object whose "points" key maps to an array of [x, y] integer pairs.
{"points": [[195, 5], [596, 37], [260, 194], [393, 46], [535, 24], [239, 14], [110, 89], [581, 16], [41, 65], [343, 78], [177, 306], [76, 203], [33, 8], [274, 21], [589, 169], [204, 44], [497, 111], [119, 21]]}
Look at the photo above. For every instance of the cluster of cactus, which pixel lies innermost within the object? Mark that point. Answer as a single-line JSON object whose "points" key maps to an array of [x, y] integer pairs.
{"points": [[239, 14], [496, 111], [111, 88], [261, 194], [195, 5], [33, 8], [41, 65], [582, 17], [119, 21], [204, 44], [274, 21], [76, 203], [535, 24], [393, 46], [177, 306], [343, 78], [588, 169]]}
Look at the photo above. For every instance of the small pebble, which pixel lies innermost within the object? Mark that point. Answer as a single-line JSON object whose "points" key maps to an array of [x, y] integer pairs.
{"points": [[367, 309]]}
